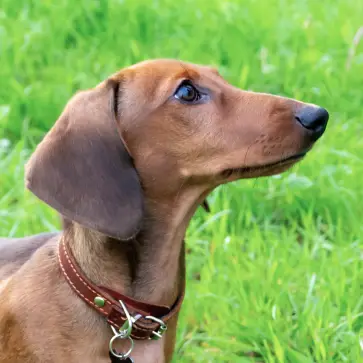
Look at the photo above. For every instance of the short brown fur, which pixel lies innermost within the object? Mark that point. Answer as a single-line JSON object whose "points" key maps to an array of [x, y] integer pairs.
{"points": [[126, 217]]}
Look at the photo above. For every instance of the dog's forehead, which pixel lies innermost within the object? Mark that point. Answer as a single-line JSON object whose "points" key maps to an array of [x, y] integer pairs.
{"points": [[170, 68]]}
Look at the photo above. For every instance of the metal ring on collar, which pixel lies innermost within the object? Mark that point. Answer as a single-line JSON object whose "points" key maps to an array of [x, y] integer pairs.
{"points": [[120, 355]]}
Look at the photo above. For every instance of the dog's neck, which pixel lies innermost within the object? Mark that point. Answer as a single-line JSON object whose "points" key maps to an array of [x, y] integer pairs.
{"points": [[149, 267]]}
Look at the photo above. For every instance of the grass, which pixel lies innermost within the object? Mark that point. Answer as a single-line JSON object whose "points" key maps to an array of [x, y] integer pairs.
{"points": [[275, 272]]}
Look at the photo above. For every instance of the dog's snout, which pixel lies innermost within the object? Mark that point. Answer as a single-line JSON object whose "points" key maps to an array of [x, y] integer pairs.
{"points": [[313, 118]]}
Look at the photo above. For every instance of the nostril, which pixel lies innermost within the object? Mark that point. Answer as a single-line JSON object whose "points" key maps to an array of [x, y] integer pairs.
{"points": [[313, 118], [297, 118]]}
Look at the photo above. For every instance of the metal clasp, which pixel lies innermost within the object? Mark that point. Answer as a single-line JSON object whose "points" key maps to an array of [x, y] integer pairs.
{"points": [[126, 330], [123, 333], [158, 334]]}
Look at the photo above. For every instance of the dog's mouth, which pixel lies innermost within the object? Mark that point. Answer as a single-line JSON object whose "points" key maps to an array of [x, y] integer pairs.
{"points": [[251, 169]]}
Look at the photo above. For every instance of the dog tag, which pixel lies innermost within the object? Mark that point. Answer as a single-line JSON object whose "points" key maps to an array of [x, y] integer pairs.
{"points": [[119, 360]]}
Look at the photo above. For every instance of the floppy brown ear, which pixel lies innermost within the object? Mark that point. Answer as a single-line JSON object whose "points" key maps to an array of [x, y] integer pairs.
{"points": [[83, 170]]}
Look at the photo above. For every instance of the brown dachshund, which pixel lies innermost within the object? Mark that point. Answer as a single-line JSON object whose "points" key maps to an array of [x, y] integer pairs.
{"points": [[126, 165]]}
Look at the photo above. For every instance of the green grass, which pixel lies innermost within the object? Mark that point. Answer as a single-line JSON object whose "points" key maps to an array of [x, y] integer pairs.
{"points": [[275, 272]]}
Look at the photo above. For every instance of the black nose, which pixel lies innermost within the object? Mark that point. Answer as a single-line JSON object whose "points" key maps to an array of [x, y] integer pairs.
{"points": [[313, 118]]}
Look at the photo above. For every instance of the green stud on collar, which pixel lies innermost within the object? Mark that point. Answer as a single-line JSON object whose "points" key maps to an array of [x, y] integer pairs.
{"points": [[99, 301]]}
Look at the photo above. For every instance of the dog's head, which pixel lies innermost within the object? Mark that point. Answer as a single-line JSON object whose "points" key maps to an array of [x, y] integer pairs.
{"points": [[156, 127]]}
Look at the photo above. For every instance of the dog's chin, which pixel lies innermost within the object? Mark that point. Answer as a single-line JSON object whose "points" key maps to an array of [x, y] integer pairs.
{"points": [[269, 169]]}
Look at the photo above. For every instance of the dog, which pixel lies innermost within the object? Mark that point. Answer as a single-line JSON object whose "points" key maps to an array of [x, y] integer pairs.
{"points": [[126, 165]]}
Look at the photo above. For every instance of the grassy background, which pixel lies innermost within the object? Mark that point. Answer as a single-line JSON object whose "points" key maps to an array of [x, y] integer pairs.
{"points": [[275, 271]]}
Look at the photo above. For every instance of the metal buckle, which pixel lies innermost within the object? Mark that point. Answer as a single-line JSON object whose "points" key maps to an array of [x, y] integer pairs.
{"points": [[162, 329]]}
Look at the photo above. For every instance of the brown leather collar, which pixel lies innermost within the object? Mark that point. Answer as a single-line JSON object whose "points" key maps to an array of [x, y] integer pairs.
{"points": [[106, 301]]}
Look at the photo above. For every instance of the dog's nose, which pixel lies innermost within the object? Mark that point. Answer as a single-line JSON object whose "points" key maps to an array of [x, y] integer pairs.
{"points": [[313, 118]]}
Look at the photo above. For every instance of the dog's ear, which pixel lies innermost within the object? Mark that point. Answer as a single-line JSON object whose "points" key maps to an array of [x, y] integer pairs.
{"points": [[83, 170]]}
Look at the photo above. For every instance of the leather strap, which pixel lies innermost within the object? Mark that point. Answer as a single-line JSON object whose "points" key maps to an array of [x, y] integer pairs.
{"points": [[110, 307]]}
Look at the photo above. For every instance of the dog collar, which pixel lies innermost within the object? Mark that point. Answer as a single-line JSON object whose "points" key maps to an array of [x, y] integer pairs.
{"points": [[128, 318]]}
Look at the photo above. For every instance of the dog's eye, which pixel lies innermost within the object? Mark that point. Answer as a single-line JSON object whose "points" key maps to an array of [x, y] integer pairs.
{"points": [[187, 93]]}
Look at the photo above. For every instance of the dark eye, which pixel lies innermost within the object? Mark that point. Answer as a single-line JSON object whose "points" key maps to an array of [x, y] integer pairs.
{"points": [[187, 93]]}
